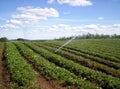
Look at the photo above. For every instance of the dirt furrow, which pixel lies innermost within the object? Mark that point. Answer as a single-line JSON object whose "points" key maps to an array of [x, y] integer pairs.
{"points": [[46, 84], [4, 76]]}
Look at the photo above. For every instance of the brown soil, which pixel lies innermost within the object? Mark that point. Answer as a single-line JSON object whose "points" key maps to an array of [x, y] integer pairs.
{"points": [[4, 76], [46, 84], [43, 81]]}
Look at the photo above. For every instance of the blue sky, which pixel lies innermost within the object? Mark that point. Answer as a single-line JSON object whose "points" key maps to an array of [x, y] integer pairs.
{"points": [[48, 19]]}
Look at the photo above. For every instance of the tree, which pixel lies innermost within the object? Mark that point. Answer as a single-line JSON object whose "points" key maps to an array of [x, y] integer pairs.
{"points": [[21, 39], [3, 39]]}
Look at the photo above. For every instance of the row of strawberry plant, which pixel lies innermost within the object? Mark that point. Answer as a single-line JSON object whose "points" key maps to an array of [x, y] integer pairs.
{"points": [[21, 73], [93, 58], [106, 62], [107, 49], [105, 81], [84, 62], [96, 54], [49, 69], [110, 58], [104, 48]]}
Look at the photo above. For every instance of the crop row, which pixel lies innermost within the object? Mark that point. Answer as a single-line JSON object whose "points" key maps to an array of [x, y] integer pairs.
{"points": [[76, 46], [110, 58], [49, 69], [84, 62], [97, 59], [93, 58], [105, 81], [21, 73], [108, 49]]}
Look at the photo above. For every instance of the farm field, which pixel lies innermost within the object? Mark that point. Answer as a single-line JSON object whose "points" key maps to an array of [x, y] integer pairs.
{"points": [[105, 48], [82, 64], [60, 44]]}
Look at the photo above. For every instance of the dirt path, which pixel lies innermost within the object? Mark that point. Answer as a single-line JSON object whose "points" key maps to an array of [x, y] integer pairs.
{"points": [[4, 78], [47, 84], [43, 82]]}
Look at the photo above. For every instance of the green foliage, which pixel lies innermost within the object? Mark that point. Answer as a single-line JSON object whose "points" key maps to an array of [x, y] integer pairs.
{"points": [[92, 36], [66, 71], [21, 39], [105, 81], [3, 39], [108, 49], [84, 61], [92, 50], [20, 72], [51, 70]]}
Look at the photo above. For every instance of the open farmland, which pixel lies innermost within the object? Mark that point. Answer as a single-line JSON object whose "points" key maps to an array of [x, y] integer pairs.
{"points": [[82, 64]]}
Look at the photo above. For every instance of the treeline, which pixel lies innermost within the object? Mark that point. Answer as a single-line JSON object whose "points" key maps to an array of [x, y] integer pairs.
{"points": [[86, 36], [5, 39], [92, 36]]}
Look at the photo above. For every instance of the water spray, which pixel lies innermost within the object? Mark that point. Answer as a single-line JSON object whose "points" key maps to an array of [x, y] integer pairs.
{"points": [[65, 43], [69, 41]]}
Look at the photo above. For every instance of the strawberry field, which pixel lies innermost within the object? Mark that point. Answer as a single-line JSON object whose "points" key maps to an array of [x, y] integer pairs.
{"points": [[82, 64]]}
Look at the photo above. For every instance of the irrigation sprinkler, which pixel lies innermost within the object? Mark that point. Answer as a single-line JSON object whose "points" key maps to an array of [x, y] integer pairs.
{"points": [[65, 43], [68, 41]]}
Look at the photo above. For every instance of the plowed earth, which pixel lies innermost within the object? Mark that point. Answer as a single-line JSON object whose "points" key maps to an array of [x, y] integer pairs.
{"points": [[4, 76]]}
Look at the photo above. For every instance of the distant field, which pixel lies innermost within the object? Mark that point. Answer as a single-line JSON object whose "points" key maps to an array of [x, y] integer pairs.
{"points": [[82, 64], [104, 47]]}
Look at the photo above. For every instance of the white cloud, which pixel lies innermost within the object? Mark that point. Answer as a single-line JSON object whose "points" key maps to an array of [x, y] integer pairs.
{"points": [[73, 2], [13, 34], [14, 22], [28, 18], [42, 12], [116, 25], [62, 30], [7, 26], [51, 1], [32, 15], [68, 30], [100, 18], [91, 26]]}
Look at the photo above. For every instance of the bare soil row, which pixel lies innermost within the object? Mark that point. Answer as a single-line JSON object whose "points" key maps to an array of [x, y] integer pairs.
{"points": [[4, 75]]}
